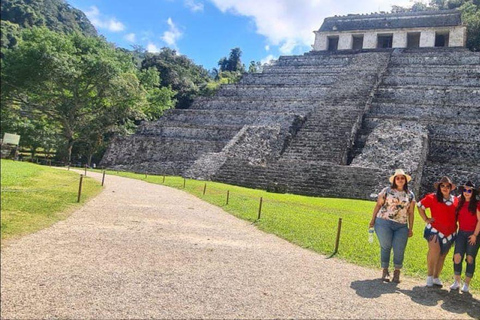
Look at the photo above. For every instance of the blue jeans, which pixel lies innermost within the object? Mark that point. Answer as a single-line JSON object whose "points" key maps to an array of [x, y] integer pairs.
{"points": [[394, 235], [462, 247]]}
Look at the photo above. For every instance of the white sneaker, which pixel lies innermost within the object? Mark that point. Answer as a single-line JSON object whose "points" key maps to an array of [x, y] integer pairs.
{"points": [[465, 288], [429, 281], [455, 285], [437, 282]]}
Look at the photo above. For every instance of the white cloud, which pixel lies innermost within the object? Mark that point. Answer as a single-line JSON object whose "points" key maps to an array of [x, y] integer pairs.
{"points": [[268, 59], [103, 22], [290, 24], [172, 35], [267, 48], [130, 37], [152, 48], [194, 5]]}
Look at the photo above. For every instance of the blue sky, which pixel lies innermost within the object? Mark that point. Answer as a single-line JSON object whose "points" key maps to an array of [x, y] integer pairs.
{"points": [[206, 30]]}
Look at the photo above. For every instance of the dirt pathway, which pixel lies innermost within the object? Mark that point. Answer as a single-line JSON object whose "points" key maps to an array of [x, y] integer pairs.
{"points": [[141, 250]]}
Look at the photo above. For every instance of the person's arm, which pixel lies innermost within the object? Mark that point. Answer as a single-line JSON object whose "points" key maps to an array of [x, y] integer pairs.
{"points": [[423, 215], [380, 202], [411, 215], [473, 238]]}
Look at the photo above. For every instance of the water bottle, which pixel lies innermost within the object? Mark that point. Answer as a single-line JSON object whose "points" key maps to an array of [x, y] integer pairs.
{"points": [[370, 235]]}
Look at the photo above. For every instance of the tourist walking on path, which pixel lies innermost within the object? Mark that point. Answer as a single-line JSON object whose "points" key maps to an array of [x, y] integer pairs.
{"points": [[441, 227], [467, 242], [393, 220]]}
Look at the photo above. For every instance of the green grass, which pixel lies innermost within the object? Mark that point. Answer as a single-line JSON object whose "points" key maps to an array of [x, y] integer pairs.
{"points": [[310, 222], [35, 197]]}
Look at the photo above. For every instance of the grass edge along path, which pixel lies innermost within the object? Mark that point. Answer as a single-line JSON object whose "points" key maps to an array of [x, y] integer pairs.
{"points": [[309, 222], [34, 197]]}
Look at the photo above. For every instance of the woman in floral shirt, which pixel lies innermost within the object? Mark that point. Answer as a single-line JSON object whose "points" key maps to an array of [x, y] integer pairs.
{"points": [[393, 221]]}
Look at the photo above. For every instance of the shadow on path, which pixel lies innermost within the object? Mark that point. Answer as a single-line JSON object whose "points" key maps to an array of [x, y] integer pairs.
{"points": [[373, 288], [452, 301]]}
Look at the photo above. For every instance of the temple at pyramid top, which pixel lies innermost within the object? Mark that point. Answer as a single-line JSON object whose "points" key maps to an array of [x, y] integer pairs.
{"points": [[425, 29]]}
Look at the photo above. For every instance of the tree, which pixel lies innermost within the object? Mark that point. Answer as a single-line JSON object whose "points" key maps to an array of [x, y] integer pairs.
{"points": [[56, 15], [179, 73], [76, 81], [255, 67], [233, 63], [471, 17]]}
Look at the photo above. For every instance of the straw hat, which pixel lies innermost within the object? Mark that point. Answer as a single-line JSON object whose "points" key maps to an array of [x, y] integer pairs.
{"points": [[399, 172], [445, 180]]}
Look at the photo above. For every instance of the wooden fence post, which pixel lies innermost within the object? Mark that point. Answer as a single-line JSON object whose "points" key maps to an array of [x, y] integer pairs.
{"points": [[103, 177], [339, 229], [80, 188], [228, 196], [260, 208], [204, 188]]}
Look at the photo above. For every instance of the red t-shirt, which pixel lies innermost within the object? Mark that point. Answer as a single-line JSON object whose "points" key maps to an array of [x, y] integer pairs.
{"points": [[445, 217], [466, 220]]}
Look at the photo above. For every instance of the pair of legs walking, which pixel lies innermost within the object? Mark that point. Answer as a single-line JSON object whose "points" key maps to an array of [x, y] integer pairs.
{"points": [[462, 248], [391, 235]]}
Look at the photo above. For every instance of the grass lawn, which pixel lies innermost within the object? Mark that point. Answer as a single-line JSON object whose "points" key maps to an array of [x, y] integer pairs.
{"points": [[310, 222], [35, 197]]}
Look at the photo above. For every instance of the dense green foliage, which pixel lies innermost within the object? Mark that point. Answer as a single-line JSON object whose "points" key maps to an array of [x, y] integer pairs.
{"points": [[57, 15], [83, 86], [35, 197], [470, 16], [180, 73], [231, 69]]}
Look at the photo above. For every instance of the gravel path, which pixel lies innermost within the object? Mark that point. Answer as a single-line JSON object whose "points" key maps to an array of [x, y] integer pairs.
{"points": [[141, 250]]}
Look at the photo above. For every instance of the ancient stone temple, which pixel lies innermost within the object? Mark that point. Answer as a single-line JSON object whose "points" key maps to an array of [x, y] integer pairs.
{"points": [[330, 122], [397, 30]]}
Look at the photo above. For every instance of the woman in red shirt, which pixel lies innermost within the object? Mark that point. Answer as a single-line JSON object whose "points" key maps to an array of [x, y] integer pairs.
{"points": [[468, 216], [440, 231]]}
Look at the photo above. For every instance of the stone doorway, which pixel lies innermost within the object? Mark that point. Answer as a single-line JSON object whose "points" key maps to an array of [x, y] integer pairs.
{"points": [[332, 43], [384, 41], [441, 39], [413, 40], [357, 42]]}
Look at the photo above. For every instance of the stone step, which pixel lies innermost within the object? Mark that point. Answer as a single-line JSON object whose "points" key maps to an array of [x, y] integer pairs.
{"points": [[165, 167], [228, 117], [304, 70], [434, 80], [446, 127], [275, 92], [436, 113], [288, 78], [435, 59], [180, 130], [439, 95], [444, 70], [304, 177]]}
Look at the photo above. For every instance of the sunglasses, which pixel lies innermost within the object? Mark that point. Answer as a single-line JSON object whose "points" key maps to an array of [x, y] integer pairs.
{"points": [[400, 178], [445, 186], [467, 190]]}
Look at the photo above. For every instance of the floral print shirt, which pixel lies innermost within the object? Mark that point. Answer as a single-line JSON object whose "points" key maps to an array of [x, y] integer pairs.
{"points": [[396, 205]]}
